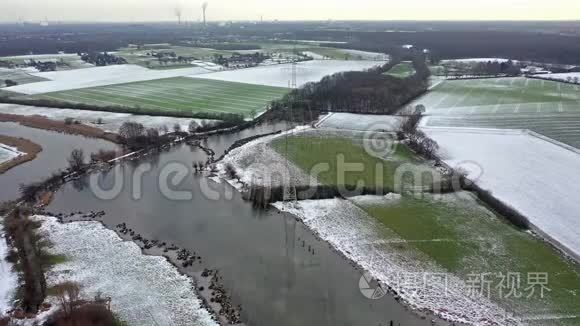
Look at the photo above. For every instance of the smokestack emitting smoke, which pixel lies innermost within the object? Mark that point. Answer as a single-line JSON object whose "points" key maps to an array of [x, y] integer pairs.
{"points": [[204, 8], [178, 12]]}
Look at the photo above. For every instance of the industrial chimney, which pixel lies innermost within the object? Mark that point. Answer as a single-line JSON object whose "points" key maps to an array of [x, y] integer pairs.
{"points": [[204, 8]]}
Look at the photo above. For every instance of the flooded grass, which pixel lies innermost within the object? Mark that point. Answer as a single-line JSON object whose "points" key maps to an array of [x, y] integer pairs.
{"points": [[468, 240]]}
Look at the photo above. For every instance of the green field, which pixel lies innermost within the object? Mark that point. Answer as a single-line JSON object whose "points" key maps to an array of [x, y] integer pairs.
{"points": [[401, 70], [547, 107], [177, 94], [308, 152], [18, 76], [466, 239]]}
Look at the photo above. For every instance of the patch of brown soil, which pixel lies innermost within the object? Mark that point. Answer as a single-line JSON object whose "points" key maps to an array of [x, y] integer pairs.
{"points": [[40, 122], [24, 146]]}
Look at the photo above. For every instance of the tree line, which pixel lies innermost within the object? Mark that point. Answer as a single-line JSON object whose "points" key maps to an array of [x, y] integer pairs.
{"points": [[370, 91], [485, 68]]}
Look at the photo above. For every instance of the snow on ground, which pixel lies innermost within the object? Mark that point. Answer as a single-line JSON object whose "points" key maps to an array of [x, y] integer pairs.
{"points": [[313, 55], [258, 163], [98, 76], [111, 121], [562, 76], [361, 238], [537, 178], [8, 153], [8, 279], [362, 122], [145, 290], [207, 65], [365, 55], [281, 75], [41, 56], [471, 60]]}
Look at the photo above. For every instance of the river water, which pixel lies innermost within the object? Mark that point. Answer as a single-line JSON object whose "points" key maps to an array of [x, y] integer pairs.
{"points": [[56, 148], [272, 265]]}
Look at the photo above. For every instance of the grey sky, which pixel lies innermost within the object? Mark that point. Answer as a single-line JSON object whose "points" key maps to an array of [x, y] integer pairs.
{"points": [[163, 10]]}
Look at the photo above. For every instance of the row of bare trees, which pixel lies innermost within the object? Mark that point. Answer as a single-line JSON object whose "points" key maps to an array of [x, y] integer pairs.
{"points": [[417, 139]]}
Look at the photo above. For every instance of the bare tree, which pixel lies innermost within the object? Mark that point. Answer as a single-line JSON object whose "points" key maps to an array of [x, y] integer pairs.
{"points": [[131, 129], [231, 172], [152, 133], [68, 295], [412, 119], [77, 159], [193, 126]]}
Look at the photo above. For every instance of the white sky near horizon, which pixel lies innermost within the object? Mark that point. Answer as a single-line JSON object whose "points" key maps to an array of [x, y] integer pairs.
{"points": [[219, 10]]}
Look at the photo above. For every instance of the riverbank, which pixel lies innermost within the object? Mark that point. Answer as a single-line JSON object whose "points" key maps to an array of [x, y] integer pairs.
{"points": [[25, 146], [145, 290], [73, 128]]}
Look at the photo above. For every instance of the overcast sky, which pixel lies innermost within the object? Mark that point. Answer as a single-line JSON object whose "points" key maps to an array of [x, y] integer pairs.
{"points": [[163, 10]]}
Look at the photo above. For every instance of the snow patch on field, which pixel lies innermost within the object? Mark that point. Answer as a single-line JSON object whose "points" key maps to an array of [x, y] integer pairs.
{"points": [[313, 55], [281, 75], [42, 57], [145, 290], [8, 279], [365, 55], [562, 76], [471, 60], [361, 122], [111, 122], [361, 238], [99, 76], [536, 177], [257, 163], [8, 153]]}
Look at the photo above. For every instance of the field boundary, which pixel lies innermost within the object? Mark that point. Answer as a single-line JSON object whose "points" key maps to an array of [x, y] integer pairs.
{"points": [[118, 109]]}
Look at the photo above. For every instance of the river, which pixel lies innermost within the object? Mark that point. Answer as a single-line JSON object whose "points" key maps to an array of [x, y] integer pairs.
{"points": [[272, 265], [56, 148]]}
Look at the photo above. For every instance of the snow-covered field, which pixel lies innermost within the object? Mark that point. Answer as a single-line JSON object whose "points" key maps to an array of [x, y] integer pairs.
{"points": [[361, 238], [471, 60], [563, 76], [8, 153], [281, 75], [41, 56], [8, 279], [145, 290], [362, 122], [365, 55], [314, 56], [537, 178], [99, 76], [110, 121]]}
